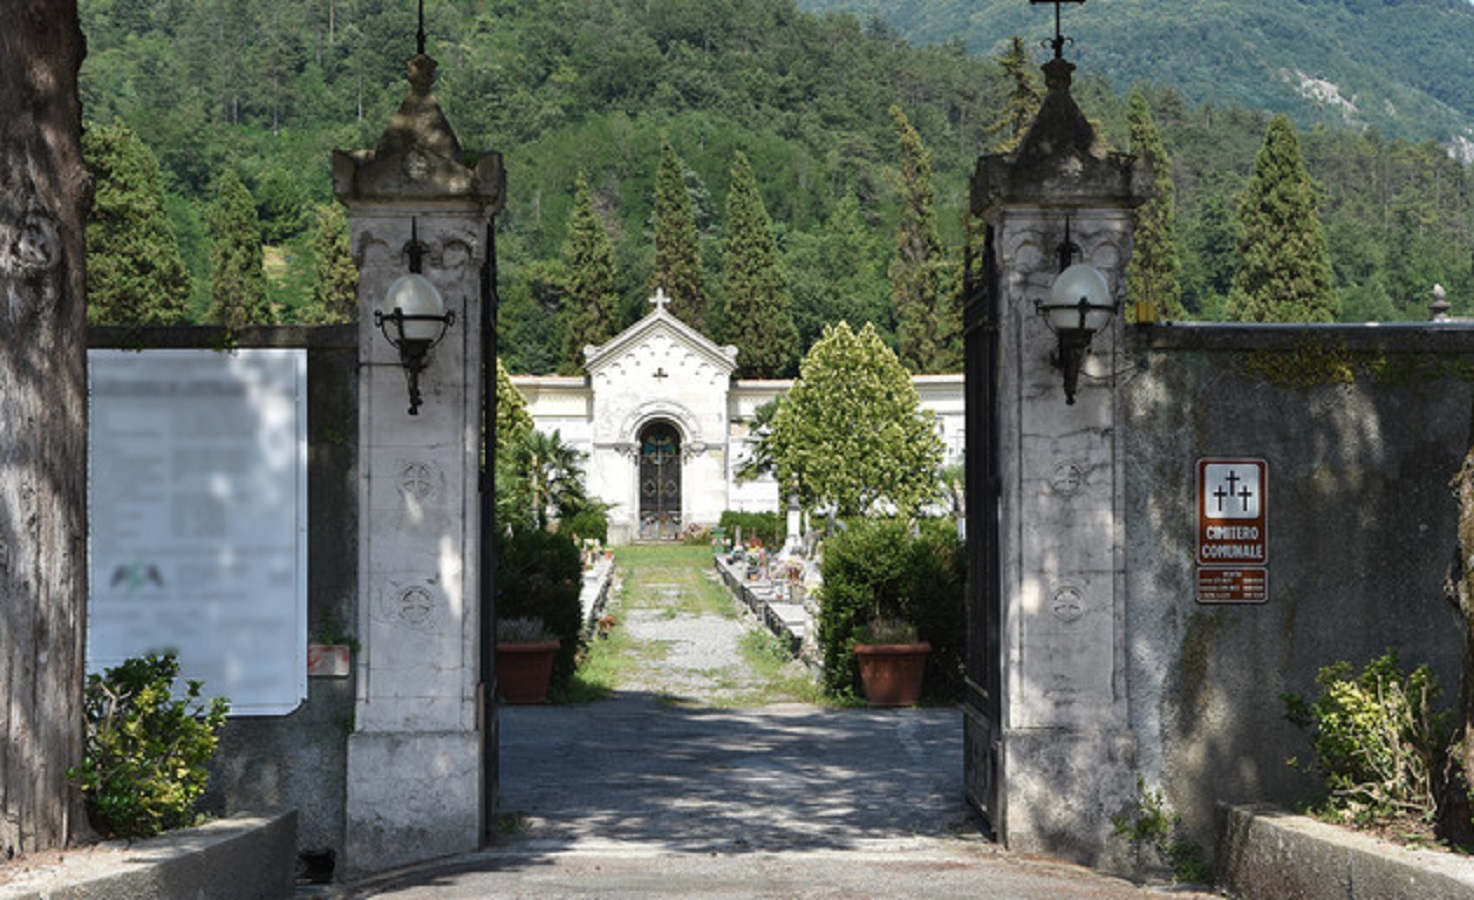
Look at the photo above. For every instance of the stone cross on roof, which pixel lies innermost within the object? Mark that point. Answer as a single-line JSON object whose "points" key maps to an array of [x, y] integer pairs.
{"points": [[660, 300]]}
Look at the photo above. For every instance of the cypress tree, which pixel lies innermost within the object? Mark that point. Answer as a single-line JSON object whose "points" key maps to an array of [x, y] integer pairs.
{"points": [[677, 255], [759, 306], [135, 272], [1021, 105], [589, 257], [237, 280], [1154, 274], [335, 277], [928, 323], [1285, 270]]}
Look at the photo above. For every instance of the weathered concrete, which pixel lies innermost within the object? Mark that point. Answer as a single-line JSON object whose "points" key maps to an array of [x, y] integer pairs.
{"points": [[1267, 854], [241, 858], [417, 779], [296, 760], [1362, 428]]}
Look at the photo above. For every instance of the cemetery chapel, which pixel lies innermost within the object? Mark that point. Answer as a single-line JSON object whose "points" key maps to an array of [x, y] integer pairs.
{"points": [[664, 426]]}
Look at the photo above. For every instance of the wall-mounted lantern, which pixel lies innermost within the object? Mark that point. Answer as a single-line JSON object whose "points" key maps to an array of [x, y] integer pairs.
{"points": [[414, 319], [1079, 305]]}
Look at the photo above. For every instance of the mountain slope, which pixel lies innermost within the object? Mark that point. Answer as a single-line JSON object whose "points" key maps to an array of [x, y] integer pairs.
{"points": [[1400, 66]]}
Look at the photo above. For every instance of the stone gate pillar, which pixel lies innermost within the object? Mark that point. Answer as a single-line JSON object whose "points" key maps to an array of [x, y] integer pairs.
{"points": [[1050, 752], [415, 779]]}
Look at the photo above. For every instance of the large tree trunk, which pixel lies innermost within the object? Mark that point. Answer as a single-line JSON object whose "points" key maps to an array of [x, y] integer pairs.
{"points": [[43, 423], [1454, 815]]}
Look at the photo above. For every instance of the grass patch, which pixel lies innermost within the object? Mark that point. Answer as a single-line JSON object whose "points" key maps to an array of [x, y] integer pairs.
{"points": [[673, 579]]}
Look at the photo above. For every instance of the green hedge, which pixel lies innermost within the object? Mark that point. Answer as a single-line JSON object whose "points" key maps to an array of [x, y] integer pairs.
{"points": [[539, 575], [890, 568], [766, 527]]}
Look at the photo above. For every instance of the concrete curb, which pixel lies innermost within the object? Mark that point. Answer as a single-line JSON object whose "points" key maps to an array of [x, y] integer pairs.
{"points": [[1269, 854], [245, 857]]}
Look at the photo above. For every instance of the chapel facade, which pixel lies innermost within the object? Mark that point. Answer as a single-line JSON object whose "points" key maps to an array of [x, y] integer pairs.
{"points": [[664, 425]]}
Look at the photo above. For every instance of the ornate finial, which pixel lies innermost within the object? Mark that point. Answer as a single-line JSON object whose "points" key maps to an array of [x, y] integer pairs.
{"points": [[660, 300], [1440, 305], [1059, 41], [422, 73]]}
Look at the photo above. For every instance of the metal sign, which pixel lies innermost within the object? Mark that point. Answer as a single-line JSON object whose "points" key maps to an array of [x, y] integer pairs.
{"points": [[1233, 531]]}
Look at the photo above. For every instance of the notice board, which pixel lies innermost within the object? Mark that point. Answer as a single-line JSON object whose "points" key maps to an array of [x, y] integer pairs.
{"points": [[197, 491]]}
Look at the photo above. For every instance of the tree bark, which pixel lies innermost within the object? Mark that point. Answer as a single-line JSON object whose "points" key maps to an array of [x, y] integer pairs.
{"points": [[1454, 814], [43, 424]]}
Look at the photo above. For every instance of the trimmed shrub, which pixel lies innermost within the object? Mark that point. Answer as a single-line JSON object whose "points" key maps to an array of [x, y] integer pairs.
{"points": [[144, 766], [538, 576], [589, 522], [880, 569], [767, 527]]}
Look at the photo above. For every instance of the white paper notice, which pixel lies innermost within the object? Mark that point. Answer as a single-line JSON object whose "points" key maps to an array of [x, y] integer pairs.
{"points": [[198, 507]]}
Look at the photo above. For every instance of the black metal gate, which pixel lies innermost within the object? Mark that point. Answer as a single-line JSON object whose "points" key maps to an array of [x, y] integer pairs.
{"points": [[982, 709], [660, 482]]}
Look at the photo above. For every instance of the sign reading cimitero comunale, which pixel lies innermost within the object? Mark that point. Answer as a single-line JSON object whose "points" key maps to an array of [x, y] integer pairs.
{"points": [[1233, 531]]}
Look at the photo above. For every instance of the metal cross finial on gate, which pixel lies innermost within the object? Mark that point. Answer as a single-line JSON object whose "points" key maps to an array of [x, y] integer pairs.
{"points": [[1059, 39]]}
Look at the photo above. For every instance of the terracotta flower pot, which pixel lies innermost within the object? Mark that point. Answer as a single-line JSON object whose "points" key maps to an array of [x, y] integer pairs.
{"points": [[891, 674], [523, 670]]}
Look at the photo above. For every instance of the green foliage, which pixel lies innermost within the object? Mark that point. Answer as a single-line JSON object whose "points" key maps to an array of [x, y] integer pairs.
{"points": [[898, 570], [589, 256], [538, 576], [765, 527], [512, 418], [237, 279], [852, 432], [759, 312], [677, 255], [1153, 276], [928, 320], [539, 480], [144, 765], [589, 523], [1285, 275], [1153, 823], [561, 88], [335, 277], [135, 273], [1022, 103], [1378, 740]]}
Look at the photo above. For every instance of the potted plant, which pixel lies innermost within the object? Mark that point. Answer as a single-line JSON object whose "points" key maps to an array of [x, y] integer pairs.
{"points": [[538, 578], [892, 662], [525, 649]]}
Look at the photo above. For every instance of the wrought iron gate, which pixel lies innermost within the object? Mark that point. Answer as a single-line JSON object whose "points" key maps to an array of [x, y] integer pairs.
{"points": [[660, 482]]}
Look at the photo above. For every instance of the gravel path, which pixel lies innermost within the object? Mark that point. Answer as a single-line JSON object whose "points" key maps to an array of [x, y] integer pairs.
{"points": [[698, 660]]}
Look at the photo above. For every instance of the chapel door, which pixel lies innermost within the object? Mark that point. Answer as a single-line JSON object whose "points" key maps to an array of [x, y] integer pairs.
{"points": [[660, 482]]}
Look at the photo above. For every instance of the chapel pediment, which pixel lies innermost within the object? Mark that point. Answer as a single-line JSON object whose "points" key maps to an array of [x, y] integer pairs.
{"points": [[665, 346]]}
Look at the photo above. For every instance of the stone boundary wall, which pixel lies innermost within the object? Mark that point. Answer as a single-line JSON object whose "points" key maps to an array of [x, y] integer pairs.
{"points": [[245, 857], [297, 760], [1268, 854], [1362, 428]]}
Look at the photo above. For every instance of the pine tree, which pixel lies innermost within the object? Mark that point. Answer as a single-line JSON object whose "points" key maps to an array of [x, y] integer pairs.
{"points": [[135, 272], [335, 277], [589, 256], [1154, 275], [677, 255], [237, 280], [1285, 271], [1021, 105], [759, 306], [928, 321]]}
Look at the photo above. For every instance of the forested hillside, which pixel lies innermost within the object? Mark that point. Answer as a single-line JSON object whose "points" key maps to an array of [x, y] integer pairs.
{"points": [[267, 88], [1400, 66]]}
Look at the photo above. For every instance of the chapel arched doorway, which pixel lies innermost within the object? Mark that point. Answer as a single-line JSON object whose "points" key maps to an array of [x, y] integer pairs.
{"points": [[660, 481]]}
